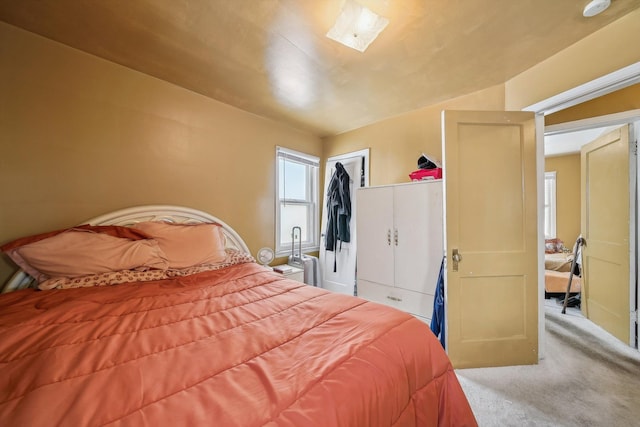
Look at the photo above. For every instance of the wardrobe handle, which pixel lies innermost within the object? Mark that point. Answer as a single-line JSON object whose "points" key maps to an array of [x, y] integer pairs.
{"points": [[395, 236], [394, 298], [389, 237]]}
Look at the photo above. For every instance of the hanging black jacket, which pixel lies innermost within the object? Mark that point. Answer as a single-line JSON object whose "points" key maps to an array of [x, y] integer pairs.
{"points": [[338, 209]]}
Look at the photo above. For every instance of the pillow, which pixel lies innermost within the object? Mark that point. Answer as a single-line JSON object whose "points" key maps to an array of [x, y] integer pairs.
{"points": [[552, 246], [233, 257], [112, 230], [187, 245], [102, 279], [79, 252]]}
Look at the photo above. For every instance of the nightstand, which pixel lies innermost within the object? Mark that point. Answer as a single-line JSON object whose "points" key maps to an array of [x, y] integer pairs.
{"points": [[290, 272]]}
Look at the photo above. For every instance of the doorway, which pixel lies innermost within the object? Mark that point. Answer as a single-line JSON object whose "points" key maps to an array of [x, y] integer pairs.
{"points": [[606, 84], [594, 279], [338, 265]]}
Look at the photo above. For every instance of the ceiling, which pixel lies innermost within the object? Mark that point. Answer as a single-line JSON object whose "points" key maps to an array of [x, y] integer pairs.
{"points": [[271, 57], [571, 142]]}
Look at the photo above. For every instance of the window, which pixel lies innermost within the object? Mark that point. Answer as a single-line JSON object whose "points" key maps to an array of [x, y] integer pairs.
{"points": [[297, 200], [550, 205]]}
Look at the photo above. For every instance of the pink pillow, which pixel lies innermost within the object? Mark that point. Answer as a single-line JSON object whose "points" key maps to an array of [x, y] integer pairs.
{"points": [[112, 230], [76, 253], [187, 245]]}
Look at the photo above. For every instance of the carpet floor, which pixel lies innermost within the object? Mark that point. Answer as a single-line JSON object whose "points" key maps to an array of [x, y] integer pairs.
{"points": [[587, 378]]}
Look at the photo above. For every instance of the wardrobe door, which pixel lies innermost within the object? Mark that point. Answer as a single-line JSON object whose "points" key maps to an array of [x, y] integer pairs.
{"points": [[375, 234], [418, 236]]}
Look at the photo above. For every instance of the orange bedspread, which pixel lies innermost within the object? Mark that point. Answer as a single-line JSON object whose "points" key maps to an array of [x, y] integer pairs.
{"points": [[238, 346]]}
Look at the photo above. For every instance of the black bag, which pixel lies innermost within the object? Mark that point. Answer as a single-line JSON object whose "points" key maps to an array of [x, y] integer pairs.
{"points": [[425, 163]]}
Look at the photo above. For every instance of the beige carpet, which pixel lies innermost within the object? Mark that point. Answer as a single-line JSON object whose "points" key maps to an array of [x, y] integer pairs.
{"points": [[588, 378]]}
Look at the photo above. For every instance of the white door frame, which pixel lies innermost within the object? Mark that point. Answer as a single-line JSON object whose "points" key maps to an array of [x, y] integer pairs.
{"points": [[608, 83], [611, 82], [360, 153], [364, 153]]}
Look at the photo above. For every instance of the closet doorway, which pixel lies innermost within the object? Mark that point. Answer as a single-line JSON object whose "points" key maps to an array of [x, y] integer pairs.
{"points": [[338, 268]]}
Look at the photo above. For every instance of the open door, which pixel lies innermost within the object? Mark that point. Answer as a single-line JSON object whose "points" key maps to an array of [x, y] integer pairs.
{"points": [[343, 279], [607, 190], [491, 238]]}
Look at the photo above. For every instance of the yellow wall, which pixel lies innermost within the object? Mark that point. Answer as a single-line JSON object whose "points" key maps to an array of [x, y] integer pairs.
{"points": [[567, 195], [397, 143], [80, 136], [607, 50], [616, 102], [601, 53]]}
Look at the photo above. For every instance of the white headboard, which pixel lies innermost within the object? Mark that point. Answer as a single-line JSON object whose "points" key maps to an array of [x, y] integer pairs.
{"points": [[130, 216], [169, 213]]}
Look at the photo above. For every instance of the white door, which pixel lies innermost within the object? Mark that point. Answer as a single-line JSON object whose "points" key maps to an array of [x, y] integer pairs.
{"points": [[491, 238], [343, 279]]}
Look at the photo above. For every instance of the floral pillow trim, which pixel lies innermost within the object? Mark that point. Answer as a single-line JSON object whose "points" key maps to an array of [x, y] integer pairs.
{"points": [[126, 276]]}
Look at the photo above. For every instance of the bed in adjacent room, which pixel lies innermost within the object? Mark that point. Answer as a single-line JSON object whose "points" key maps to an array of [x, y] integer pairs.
{"points": [[159, 316], [558, 262]]}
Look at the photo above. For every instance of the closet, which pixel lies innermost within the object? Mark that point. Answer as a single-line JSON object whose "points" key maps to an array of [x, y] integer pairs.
{"points": [[400, 245]]}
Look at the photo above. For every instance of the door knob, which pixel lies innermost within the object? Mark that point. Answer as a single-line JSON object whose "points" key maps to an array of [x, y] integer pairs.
{"points": [[456, 258]]}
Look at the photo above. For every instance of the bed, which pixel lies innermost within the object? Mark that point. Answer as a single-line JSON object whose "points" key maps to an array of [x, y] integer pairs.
{"points": [[558, 262], [227, 343], [555, 282]]}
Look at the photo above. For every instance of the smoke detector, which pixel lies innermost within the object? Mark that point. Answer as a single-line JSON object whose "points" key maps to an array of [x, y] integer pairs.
{"points": [[595, 7]]}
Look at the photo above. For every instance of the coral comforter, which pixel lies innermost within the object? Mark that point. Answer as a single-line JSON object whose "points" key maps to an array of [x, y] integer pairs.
{"points": [[237, 346]]}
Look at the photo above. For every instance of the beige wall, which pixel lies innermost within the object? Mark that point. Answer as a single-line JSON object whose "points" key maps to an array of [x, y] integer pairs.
{"points": [[609, 49], [80, 136], [616, 102], [603, 52], [397, 143], [567, 195]]}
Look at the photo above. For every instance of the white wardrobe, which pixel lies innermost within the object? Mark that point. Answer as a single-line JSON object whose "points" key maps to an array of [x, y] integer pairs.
{"points": [[400, 245]]}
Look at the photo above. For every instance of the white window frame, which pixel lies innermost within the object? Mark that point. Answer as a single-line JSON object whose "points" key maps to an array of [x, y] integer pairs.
{"points": [[550, 203], [313, 178]]}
